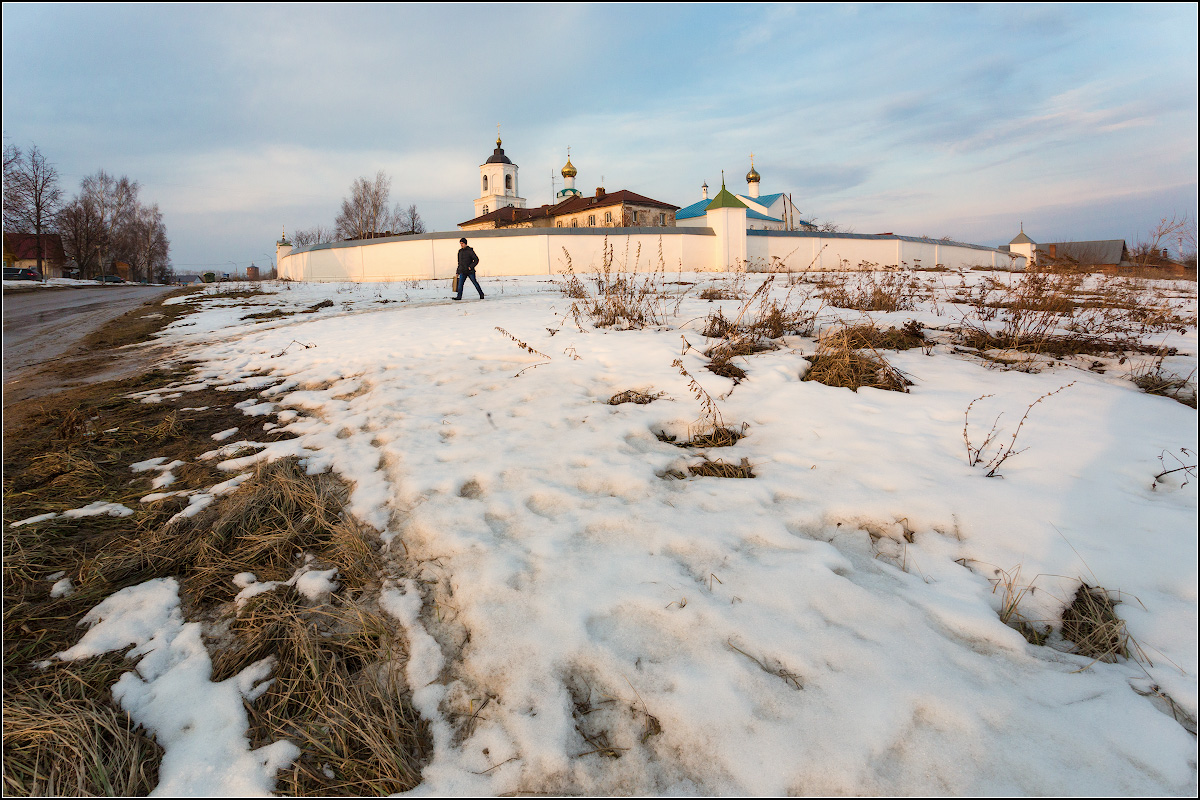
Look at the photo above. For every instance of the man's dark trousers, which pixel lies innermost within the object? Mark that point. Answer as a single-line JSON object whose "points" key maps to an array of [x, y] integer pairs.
{"points": [[462, 281]]}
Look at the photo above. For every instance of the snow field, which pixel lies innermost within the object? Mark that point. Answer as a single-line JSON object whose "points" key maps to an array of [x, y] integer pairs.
{"points": [[765, 636]]}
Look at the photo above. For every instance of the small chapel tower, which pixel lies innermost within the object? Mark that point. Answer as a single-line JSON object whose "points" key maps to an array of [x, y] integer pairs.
{"points": [[497, 183], [568, 172]]}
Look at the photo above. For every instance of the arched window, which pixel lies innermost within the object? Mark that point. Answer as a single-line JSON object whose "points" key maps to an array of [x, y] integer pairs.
{"points": [[508, 183], [485, 183]]}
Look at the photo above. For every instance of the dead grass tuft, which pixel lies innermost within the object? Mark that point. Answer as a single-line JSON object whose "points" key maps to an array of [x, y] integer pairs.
{"points": [[872, 337], [838, 363], [709, 437], [1091, 622], [633, 396], [263, 316], [722, 469]]}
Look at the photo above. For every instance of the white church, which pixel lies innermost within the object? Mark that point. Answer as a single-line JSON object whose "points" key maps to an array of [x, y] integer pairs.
{"points": [[771, 212]]}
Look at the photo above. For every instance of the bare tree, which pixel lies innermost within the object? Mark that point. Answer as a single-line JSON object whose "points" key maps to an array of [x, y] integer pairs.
{"points": [[80, 230], [407, 220], [12, 157], [319, 234], [1151, 250], [114, 203], [365, 212], [149, 247], [31, 186]]}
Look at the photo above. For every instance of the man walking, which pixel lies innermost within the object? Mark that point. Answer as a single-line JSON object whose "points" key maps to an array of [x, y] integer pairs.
{"points": [[467, 261]]}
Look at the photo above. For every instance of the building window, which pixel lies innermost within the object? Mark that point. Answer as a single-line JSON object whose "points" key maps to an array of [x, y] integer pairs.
{"points": [[662, 220], [508, 183], [558, 224], [485, 183], [591, 220], [608, 218], [574, 223], [485, 209]]}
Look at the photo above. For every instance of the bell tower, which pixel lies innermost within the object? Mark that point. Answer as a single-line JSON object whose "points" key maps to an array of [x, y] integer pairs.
{"points": [[497, 183]]}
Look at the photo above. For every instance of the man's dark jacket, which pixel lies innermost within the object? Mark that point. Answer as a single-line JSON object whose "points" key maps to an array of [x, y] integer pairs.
{"points": [[467, 260]]}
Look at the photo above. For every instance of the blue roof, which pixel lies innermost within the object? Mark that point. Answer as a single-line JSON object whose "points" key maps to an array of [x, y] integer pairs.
{"points": [[694, 210], [699, 209], [767, 199]]}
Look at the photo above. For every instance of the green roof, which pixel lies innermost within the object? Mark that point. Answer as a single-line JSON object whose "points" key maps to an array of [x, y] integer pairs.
{"points": [[725, 200]]}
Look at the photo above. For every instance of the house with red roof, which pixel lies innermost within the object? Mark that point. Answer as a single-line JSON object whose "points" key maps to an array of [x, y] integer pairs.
{"points": [[22, 249]]}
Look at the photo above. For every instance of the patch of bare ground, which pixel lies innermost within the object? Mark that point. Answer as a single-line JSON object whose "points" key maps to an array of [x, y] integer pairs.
{"points": [[338, 690], [100, 357]]}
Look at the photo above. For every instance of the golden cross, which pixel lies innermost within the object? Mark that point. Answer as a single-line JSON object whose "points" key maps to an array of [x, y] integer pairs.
{"points": [[752, 159]]}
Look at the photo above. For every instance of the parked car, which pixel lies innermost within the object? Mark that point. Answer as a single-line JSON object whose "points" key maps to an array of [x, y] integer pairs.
{"points": [[21, 274], [112, 279]]}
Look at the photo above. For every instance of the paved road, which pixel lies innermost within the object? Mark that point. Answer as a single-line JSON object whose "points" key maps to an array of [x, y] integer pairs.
{"points": [[42, 325]]}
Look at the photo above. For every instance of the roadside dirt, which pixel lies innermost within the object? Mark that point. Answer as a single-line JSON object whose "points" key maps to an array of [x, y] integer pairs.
{"points": [[117, 349]]}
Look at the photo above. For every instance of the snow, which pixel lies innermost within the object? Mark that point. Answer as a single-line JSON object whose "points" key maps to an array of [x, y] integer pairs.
{"points": [[828, 627], [201, 725]]}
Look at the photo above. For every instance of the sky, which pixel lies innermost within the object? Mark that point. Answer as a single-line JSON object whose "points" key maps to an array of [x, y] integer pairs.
{"points": [[1079, 121]]}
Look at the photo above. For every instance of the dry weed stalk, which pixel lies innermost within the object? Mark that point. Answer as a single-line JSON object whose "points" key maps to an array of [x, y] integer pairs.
{"points": [[710, 413], [977, 454], [873, 291], [522, 345], [621, 299]]}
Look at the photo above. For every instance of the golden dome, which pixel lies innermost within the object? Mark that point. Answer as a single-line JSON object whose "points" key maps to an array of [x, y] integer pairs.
{"points": [[752, 176], [569, 170]]}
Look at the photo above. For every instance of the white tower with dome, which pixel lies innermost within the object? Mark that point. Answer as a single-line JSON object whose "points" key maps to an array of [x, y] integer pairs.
{"points": [[497, 183]]}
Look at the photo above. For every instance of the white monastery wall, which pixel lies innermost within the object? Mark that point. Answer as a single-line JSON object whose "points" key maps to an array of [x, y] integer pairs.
{"points": [[797, 251], [527, 251], [540, 251]]}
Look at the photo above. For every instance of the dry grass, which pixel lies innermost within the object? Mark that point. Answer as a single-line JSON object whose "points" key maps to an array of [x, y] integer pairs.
{"points": [[838, 363], [263, 316], [1152, 378], [63, 738], [633, 396], [873, 291], [707, 437], [618, 296], [1059, 313], [722, 469], [1091, 623], [260, 528], [337, 691], [869, 336], [762, 317]]}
